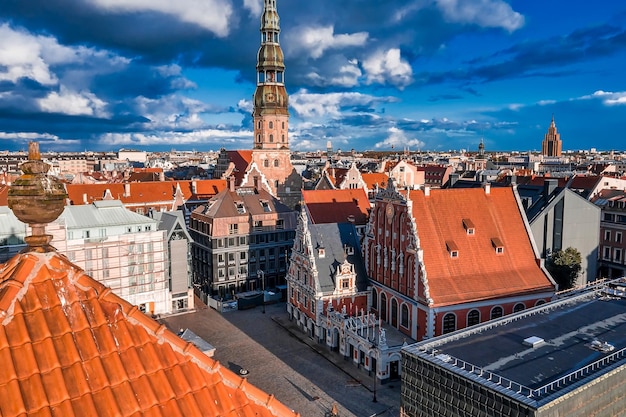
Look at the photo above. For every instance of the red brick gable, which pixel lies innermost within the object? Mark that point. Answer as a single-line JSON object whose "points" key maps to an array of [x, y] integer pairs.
{"points": [[478, 271], [337, 206], [70, 347]]}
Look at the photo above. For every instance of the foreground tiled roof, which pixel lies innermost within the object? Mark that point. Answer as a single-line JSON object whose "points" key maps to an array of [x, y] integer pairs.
{"points": [[70, 347], [337, 206], [478, 272]]}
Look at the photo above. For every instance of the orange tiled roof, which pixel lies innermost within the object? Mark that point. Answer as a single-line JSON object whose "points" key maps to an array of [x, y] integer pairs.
{"points": [[143, 192], [4, 195], [375, 178], [335, 206], [70, 347], [478, 272]]}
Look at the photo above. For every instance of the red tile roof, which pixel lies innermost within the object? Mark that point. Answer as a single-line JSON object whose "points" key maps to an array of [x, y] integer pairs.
{"points": [[70, 347], [4, 195], [375, 178], [144, 192], [336, 206], [241, 159], [478, 273]]}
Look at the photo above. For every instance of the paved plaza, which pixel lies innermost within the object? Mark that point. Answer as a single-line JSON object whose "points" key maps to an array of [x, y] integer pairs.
{"points": [[286, 363]]}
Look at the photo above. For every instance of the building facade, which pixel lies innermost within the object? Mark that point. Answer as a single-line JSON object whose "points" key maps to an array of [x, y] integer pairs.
{"points": [[612, 237], [441, 260], [242, 238], [123, 250], [552, 144]]}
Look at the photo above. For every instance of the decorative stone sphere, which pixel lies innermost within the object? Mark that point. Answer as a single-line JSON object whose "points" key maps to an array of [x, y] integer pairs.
{"points": [[35, 197]]}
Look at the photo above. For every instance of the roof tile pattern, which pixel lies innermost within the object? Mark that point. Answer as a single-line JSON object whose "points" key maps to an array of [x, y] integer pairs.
{"points": [[478, 272], [336, 206], [70, 347]]}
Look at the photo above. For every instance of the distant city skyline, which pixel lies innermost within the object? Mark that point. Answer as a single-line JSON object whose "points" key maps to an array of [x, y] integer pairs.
{"points": [[424, 75]]}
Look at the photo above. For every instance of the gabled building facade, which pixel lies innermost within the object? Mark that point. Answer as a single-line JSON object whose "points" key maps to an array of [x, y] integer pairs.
{"points": [[441, 260], [242, 237]]}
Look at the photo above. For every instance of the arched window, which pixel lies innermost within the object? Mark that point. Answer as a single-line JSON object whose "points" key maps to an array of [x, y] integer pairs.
{"points": [[449, 323], [383, 306], [374, 299], [283, 138], [258, 138], [473, 317], [271, 125], [519, 307], [394, 313], [266, 163], [283, 125], [259, 124], [496, 312], [539, 302], [271, 138], [275, 162], [404, 322]]}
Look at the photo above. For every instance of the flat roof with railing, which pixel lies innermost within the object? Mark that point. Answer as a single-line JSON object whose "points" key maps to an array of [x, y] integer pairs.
{"points": [[542, 352]]}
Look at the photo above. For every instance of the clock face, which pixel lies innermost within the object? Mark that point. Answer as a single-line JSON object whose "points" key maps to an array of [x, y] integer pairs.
{"points": [[270, 97], [389, 212]]}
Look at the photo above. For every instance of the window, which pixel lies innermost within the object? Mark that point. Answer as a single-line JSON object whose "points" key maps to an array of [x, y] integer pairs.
{"points": [[266, 206], [452, 249], [496, 312], [404, 321], [497, 245], [242, 256], [233, 228], [259, 124], [519, 307], [449, 323], [271, 125], [618, 237], [266, 163], [469, 227], [271, 138], [473, 317], [607, 253], [607, 235], [276, 163], [617, 255]]}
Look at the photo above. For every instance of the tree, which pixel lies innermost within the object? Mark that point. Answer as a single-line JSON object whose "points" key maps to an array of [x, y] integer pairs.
{"points": [[564, 266]]}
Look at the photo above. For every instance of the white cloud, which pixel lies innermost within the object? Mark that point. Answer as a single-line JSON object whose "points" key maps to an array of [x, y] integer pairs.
{"points": [[21, 57], [317, 40], [199, 137], [83, 103], [484, 13], [212, 15], [171, 112], [27, 136], [388, 67], [397, 139], [254, 6], [609, 98], [347, 75], [318, 105]]}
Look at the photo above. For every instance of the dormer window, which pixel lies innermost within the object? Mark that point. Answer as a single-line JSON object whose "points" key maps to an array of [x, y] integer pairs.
{"points": [[349, 250], [266, 206], [452, 248], [241, 209], [468, 225], [321, 252], [497, 245]]}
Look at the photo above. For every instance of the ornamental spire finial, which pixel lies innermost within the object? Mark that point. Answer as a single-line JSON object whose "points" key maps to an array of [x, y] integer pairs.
{"points": [[36, 199]]}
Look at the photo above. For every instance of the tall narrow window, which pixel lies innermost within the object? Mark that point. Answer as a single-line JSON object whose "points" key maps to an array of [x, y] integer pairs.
{"points": [[449, 323], [496, 312], [473, 317]]}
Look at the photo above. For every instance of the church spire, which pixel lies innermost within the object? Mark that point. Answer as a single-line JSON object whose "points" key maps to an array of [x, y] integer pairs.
{"points": [[271, 115], [552, 144]]}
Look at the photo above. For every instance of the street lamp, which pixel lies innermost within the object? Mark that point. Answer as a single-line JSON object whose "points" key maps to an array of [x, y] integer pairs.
{"points": [[260, 274]]}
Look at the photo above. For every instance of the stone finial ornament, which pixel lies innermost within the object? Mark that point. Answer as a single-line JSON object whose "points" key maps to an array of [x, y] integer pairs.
{"points": [[36, 199]]}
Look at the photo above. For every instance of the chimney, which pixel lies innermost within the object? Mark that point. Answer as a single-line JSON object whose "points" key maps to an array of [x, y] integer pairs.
{"points": [[549, 185], [194, 187], [488, 188], [126, 189], [85, 198], [231, 183], [426, 190], [161, 176]]}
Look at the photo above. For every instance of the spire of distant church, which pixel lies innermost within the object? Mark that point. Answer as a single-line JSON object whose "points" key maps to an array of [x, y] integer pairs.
{"points": [[271, 114]]}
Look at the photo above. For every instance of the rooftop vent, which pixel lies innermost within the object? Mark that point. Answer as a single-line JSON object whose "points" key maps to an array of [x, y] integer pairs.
{"points": [[604, 347], [533, 341]]}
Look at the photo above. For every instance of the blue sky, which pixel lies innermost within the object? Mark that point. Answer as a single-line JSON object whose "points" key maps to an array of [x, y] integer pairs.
{"points": [[419, 74]]}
